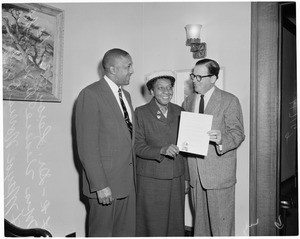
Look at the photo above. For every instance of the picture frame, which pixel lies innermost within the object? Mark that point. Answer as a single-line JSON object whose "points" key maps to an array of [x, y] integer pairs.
{"points": [[184, 86], [32, 52]]}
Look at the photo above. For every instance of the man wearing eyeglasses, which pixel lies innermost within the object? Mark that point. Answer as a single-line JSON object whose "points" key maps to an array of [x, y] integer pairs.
{"points": [[213, 177]]}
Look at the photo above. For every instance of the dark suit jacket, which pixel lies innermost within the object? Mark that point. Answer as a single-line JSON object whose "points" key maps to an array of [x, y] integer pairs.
{"points": [[105, 147], [153, 132], [218, 169]]}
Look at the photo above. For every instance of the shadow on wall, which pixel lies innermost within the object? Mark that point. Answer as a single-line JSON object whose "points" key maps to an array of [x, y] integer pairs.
{"points": [[145, 93], [78, 164], [100, 70]]}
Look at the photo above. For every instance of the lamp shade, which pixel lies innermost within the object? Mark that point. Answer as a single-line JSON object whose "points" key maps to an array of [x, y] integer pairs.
{"points": [[193, 31]]}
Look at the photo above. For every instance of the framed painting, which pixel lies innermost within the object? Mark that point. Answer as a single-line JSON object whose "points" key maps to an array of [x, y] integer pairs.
{"points": [[32, 50]]}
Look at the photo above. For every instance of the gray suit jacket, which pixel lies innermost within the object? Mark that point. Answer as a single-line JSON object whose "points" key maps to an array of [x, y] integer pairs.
{"points": [[218, 169], [105, 147]]}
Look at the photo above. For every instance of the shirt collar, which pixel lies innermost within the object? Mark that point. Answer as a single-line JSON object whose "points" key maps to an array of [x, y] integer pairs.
{"points": [[111, 84], [163, 108], [209, 93]]}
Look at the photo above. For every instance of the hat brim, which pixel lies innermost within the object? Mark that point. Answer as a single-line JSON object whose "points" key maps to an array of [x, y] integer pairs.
{"points": [[151, 82]]}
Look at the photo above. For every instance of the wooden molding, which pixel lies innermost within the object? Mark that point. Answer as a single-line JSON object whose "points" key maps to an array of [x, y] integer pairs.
{"points": [[264, 120]]}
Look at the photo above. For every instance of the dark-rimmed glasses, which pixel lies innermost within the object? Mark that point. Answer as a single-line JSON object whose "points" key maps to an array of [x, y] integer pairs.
{"points": [[198, 77]]}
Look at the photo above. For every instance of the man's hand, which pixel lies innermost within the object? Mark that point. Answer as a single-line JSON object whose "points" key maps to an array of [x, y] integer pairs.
{"points": [[215, 136], [105, 196], [170, 150]]}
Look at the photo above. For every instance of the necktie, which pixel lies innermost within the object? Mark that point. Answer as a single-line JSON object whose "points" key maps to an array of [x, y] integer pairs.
{"points": [[126, 116], [201, 105]]}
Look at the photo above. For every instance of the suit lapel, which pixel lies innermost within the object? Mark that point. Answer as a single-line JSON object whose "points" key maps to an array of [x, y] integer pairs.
{"points": [[191, 103], [171, 113], [132, 116], [156, 111], [159, 115], [112, 101], [131, 108], [213, 102]]}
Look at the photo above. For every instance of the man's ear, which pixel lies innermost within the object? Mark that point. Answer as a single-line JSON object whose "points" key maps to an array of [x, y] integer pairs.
{"points": [[112, 70], [213, 79], [151, 92]]}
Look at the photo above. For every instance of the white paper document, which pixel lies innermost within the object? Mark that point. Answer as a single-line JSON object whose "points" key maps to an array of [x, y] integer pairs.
{"points": [[192, 135]]}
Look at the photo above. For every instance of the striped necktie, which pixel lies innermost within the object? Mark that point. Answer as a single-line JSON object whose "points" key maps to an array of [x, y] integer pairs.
{"points": [[126, 116]]}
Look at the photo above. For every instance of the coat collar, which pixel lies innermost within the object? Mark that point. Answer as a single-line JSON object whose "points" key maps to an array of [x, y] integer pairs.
{"points": [[111, 100], [158, 114], [212, 104], [107, 92]]}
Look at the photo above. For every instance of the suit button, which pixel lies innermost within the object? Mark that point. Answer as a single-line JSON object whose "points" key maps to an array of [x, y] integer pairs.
{"points": [[130, 164]]}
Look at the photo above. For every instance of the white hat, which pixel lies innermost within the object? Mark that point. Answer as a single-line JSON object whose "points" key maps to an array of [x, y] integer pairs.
{"points": [[161, 74]]}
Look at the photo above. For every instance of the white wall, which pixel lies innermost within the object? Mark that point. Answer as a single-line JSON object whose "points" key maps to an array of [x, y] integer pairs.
{"points": [[154, 35]]}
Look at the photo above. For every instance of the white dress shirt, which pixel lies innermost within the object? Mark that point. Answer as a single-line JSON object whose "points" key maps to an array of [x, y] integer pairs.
{"points": [[113, 86], [207, 96], [206, 99]]}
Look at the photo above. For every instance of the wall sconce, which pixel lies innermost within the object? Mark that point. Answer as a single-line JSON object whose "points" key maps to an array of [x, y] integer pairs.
{"points": [[193, 40]]}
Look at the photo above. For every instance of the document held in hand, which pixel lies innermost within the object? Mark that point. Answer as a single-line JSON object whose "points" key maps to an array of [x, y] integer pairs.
{"points": [[192, 135]]}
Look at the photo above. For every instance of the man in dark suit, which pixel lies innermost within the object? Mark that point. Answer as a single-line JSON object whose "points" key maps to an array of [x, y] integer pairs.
{"points": [[105, 129], [213, 177]]}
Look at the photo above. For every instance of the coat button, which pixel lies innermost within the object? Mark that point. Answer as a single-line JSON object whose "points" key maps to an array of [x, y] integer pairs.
{"points": [[130, 164]]}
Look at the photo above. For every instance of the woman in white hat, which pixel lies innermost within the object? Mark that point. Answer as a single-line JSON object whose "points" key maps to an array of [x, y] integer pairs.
{"points": [[162, 172]]}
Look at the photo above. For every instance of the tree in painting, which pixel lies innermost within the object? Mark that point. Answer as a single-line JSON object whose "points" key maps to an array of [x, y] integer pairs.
{"points": [[27, 50]]}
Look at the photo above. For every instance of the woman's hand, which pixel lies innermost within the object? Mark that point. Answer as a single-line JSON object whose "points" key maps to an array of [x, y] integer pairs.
{"points": [[170, 150]]}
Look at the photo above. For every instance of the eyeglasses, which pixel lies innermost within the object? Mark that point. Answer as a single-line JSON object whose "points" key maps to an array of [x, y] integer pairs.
{"points": [[198, 77]]}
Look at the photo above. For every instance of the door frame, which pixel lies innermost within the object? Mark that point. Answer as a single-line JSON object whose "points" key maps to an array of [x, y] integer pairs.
{"points": [[264, 119]]}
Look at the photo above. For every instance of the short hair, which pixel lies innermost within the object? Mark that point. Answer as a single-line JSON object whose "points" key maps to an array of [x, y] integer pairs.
{"points": [[212, 66], [110, 56]]}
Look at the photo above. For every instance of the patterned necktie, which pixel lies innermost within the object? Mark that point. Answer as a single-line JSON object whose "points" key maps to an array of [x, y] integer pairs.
{"points": [[201, 105], [126, 116]]}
